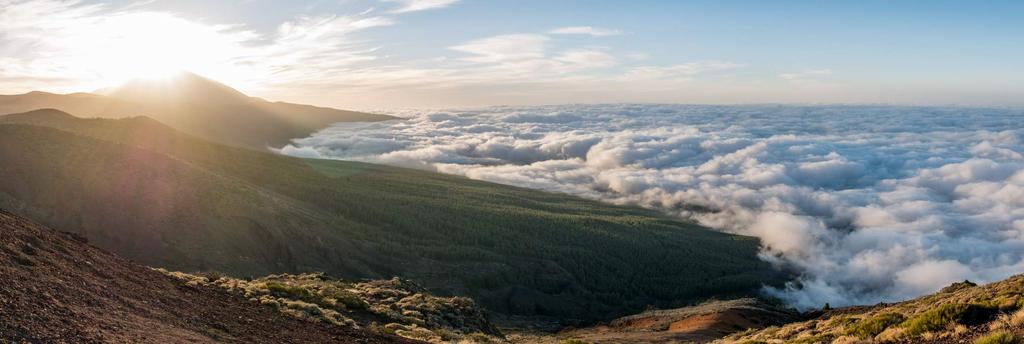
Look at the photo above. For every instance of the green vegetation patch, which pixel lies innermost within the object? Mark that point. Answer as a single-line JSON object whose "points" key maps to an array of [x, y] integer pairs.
{"points": [[871, 327], [824, 338], [938, 318], [1001, 337]]}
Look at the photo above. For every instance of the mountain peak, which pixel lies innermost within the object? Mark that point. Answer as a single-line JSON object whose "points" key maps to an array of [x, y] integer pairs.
{"points": [[181, 87]]}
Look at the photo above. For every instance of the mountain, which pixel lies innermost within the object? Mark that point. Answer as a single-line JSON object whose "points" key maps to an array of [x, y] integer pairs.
{"points": [[168, 199], [58, 289], [198, 106], [960, 313]]}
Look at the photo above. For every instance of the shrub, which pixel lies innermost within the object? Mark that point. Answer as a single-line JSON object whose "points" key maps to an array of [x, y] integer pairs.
{"points": [[574, 341], [416, 333], [289, 291], [1001, 337], [211, 275], [825, 338], [871, 327], [939, 318], [295, 292], [348, 299]]}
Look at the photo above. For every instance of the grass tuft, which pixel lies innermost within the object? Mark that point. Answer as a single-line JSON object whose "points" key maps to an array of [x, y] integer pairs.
{"points": [[938, 318], [1001, 337], [871, 327]]}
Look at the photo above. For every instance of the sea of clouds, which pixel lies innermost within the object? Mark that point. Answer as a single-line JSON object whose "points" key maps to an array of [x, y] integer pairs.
{"points": [[868, 203]]}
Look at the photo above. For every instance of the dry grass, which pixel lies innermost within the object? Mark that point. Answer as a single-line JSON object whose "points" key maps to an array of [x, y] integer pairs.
{"points": [[406, 309], [953, 314]]}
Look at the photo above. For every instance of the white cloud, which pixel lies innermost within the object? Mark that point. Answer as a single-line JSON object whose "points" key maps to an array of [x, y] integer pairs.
{"points": [[585, 30], [60, 44], [505, 48], [420, 5], [586, 59], [683, 71], [807, 74], [869, 203]]}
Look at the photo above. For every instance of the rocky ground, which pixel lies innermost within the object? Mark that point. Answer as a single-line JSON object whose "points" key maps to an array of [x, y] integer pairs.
{"points": [[56, 288], [394, 306], [700, 323], [960, 313]]}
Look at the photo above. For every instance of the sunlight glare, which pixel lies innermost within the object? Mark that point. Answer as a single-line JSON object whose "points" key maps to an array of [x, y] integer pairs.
{"points": [[158, 46]]}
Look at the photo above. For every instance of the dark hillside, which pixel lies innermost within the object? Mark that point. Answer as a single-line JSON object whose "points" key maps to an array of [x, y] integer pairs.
{"points": [[144, 190]]}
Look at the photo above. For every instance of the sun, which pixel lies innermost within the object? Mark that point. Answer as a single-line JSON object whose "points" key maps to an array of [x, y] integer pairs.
{"points": [[154, 46]]}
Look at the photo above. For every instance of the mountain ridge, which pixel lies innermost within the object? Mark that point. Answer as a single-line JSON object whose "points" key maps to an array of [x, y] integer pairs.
{"points": [[198, 106]]}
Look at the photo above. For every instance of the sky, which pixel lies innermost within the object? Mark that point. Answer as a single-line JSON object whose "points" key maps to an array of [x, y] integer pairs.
{"points": [[366, 54]]}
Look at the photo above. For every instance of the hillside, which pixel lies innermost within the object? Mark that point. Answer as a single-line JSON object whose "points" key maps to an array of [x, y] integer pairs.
{"points": [[58, 289], [392, 306], [143, 190], [198, 106], [700, 323], [961, 313]]}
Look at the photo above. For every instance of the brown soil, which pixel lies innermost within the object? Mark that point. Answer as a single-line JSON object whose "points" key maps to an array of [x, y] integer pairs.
{"points": [[701, 323], [55, 288]]}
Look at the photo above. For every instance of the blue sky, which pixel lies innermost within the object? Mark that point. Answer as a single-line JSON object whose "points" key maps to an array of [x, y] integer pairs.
{"points": [[377, 53]]}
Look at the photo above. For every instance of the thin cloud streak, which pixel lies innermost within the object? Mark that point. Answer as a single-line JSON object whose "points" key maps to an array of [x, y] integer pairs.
{"points": [[585, 30], [407, 6]]}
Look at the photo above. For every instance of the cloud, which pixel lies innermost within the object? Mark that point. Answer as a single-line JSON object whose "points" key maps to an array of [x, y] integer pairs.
{"points": [[406, 6], [683, 71], [504, 48], [61, 43], [868, 203], [585, 30], [807, 74]]}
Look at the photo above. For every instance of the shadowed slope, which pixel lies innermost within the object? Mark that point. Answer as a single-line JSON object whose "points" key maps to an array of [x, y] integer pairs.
{"points": [[168, 199], [58, 289]]}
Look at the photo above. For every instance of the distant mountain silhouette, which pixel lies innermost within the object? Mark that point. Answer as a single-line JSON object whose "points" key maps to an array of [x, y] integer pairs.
{"points": [[198, 106]]}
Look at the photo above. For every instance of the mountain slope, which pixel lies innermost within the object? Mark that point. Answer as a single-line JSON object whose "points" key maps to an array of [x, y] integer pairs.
{"points": [[197, 106], [960, 313], [167, 199], [57, 288]]}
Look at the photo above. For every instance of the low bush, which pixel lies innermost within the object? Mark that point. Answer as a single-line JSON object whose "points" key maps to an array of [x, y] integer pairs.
{"points": [[289, 291], [574, 341], [938, 318], [871, 327], [1001, 337], [824, 338]]}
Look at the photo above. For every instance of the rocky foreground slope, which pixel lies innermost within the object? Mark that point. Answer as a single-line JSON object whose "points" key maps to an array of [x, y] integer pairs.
{"points": [[961, 313], [58, 289], [394, 306]]}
